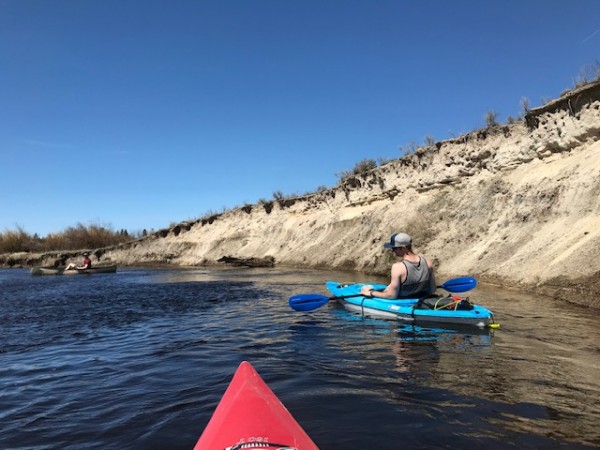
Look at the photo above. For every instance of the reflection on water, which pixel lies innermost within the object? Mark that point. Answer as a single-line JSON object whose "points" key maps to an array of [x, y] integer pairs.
{"points": [[140, 359]]}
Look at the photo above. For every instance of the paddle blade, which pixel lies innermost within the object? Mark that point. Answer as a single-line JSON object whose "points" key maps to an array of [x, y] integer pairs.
{"points": [[462, 284], [307, 302]]}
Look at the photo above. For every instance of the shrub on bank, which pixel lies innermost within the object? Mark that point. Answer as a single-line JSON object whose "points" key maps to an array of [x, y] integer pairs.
{"points": [[73, 238]]}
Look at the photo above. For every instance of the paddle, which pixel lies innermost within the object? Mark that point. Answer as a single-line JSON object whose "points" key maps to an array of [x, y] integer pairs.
{"points": [[309, 302]]}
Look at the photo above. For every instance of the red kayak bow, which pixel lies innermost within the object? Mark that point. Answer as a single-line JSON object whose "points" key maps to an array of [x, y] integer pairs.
{"points": [[250, 416]]}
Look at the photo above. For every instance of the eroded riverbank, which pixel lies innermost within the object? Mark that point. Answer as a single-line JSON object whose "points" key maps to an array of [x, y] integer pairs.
{"points": [[516, 205]]}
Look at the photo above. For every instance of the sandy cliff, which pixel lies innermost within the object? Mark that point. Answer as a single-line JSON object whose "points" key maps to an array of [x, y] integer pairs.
{"points": [[517, 205]]}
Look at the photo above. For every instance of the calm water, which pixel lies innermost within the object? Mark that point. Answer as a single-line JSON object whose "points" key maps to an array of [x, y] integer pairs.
{"points": [[140, 358]]}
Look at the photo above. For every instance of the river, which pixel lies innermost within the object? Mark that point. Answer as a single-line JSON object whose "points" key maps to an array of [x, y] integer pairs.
{"points": [[140, 358]]}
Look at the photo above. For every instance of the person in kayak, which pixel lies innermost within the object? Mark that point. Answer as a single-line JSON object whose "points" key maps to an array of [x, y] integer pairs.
{"points": [[87, 263], [412, 276]]}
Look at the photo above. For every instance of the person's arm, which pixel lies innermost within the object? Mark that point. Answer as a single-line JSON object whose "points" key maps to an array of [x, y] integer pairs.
{"points": [[391, 291]]}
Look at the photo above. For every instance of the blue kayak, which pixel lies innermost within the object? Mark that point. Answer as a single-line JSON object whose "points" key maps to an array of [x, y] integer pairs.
{"points": [[450, 310]]}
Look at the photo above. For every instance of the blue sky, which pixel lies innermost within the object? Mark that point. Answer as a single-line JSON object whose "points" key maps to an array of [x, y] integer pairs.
{"points": [[138, 114]]}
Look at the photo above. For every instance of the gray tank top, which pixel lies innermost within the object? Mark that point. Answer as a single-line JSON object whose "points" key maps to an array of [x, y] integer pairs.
{"points": [[419, 279]]}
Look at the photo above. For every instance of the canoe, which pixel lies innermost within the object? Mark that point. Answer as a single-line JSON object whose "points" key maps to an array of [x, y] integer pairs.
{"points": [[61, 270], [449, 310], [250, 416], [94, 269]]}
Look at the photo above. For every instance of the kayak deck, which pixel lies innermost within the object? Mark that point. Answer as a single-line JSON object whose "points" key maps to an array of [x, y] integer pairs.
{"points": [[250, 416], [407, 310]]}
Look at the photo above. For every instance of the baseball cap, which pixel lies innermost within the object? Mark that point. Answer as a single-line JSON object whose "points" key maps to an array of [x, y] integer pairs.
{"points": [[399, 240]]}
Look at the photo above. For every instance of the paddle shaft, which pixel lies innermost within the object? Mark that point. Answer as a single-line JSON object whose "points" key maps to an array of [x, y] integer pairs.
{"points": [[313, 297], [346, 296], [455, 285]]}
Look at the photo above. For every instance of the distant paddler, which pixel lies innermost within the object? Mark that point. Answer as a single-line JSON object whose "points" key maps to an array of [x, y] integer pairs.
{"points": [[87, 263]]}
